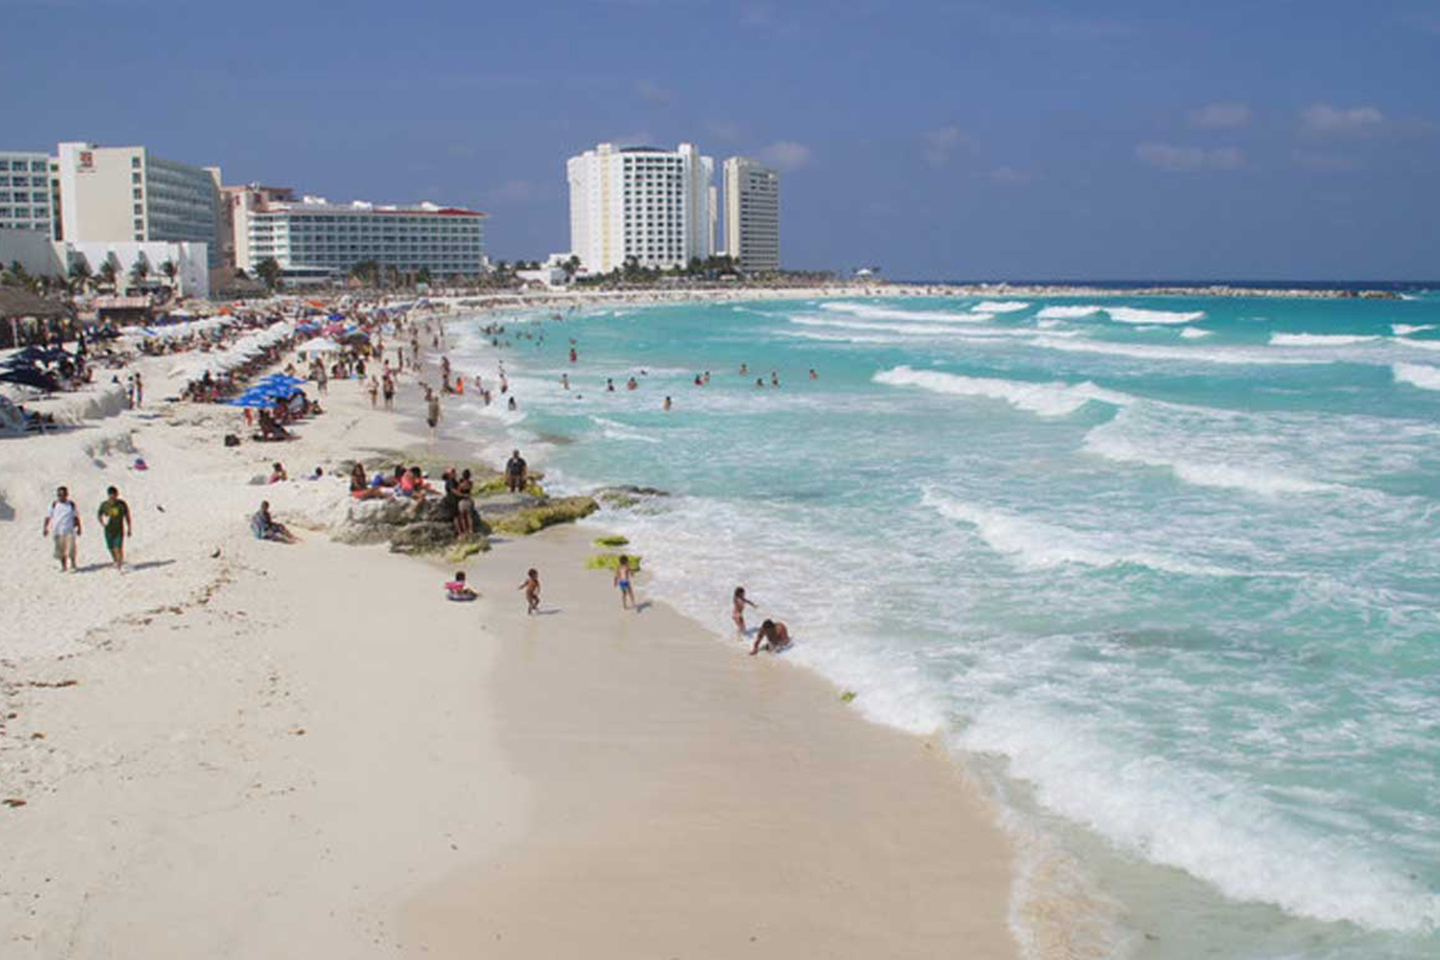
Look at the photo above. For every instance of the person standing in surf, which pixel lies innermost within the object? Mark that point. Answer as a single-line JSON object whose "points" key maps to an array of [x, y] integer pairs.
{"points": [[622, 580]]}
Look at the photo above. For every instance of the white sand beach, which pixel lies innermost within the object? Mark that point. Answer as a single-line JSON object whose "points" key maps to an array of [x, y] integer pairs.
{"points": [[243, 749]]}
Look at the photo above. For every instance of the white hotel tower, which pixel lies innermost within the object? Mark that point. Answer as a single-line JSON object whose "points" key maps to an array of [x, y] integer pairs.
{"points": [[642, 202]]}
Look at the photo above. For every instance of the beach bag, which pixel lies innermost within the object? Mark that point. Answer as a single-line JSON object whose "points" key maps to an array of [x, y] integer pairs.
{"points": [[231, 440]]}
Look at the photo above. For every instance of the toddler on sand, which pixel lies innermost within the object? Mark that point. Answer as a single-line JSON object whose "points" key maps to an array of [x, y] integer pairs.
{"points": [[531, 586]]}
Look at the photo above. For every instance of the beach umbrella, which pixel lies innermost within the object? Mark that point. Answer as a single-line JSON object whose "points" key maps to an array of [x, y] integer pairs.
{"points": [[249, 401]]}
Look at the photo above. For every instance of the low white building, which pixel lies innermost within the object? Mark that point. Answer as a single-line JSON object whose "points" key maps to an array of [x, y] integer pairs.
{"points": [[191, 260], [315, 240], [644, 204]]}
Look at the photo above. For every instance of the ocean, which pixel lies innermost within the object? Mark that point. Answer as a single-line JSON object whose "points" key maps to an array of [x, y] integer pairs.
{"points": [[1162, 572]]}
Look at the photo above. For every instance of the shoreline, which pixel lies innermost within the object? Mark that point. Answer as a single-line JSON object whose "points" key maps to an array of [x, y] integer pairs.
{"points": [[329, 768]]}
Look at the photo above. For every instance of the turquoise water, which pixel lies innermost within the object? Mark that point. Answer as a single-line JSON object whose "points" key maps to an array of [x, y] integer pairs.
{"points": [[1162, 571]]}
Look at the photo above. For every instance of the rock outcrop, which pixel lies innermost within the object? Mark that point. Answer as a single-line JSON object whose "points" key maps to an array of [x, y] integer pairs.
{"points": [[409, 526]]}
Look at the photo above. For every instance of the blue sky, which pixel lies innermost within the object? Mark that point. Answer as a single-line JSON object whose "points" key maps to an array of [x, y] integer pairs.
{"points": [[1111, 139]]}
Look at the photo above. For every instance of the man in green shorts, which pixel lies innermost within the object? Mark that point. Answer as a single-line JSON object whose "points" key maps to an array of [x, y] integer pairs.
{"points": [[114, 516]]}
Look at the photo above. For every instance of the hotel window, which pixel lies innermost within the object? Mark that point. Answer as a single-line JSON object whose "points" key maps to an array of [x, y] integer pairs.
{"points": [[134, 178], [135, 161]]}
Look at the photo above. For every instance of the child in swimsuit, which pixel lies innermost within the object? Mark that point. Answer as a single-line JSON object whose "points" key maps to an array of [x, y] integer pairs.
{"points": [[458, 589], [737, 613], [622, 580], [531, 586]]}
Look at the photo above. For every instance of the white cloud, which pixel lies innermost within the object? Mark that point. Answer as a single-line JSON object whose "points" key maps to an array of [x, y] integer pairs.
{"points": [[786, 155], [652, 91], [1175, 159], [1220, 116], [940, 143], [1324, 120]]}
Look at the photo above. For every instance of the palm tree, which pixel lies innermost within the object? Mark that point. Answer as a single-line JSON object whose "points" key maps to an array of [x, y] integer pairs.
{"points": [[139, 271], [171, 270], [79, 274], [269, 271], [367, 272], [109, 271]]}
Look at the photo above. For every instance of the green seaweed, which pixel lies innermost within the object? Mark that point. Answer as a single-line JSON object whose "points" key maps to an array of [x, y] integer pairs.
{"points": [[611, 541], [847, 696], [610, 561], [534, 519], [466, 549]]}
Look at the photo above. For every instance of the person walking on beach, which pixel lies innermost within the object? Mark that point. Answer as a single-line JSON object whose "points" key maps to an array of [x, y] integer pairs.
{"points": [[63, 524], [737, 611], [114, 516], [389, 391], [432, 412], [622, 580], [531, 586], [516, 472], [772, 633], [374, 390]]}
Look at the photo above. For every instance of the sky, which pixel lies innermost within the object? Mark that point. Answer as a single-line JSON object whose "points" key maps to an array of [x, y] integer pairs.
{"points": [[1113, 139]]}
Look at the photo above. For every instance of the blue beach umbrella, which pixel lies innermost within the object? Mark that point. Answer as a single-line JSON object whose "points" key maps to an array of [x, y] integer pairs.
{"points": [[248, 401]]}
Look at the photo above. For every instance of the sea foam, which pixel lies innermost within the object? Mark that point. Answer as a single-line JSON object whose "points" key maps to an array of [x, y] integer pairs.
{"points": [[1136, 316], [1046, 399], [1318, 339], [1419, 375], [1000, 306], [1037, 545], [1068, 312]]}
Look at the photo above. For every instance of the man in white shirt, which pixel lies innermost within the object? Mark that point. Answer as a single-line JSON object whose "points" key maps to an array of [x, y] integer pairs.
{"points": [[63, 524]]}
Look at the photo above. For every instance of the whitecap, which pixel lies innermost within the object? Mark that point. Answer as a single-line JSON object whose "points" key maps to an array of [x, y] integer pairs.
{"points": [[1036, 545], [1103, 441], [1401, 329], [1056, 399], [1318, 339], [1136, 316], [1195, 333], [1138, 351], [1000, 306], [1073, 312], [1419, 375], [614, 430]]}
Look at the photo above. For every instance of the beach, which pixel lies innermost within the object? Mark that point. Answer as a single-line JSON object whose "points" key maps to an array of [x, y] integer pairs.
{"points": [[239, 748]]}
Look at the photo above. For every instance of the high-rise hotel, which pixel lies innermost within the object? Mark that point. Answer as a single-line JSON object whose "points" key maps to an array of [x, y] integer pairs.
{"points": [[752, 216], [117, 194], [652, 205]]}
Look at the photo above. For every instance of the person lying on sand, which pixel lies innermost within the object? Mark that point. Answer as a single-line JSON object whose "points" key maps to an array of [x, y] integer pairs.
{"points": [[277, 472], [774, 634]]}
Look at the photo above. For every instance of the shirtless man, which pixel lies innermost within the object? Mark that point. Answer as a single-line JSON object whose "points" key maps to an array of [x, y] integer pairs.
{"points": [[737, 612], [774, 634]]}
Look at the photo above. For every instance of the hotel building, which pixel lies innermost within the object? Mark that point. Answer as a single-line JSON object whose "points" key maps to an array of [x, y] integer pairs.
{"points": [[129, 194], [643, 202], [27, 198], [315, 241], [752, 215]]}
